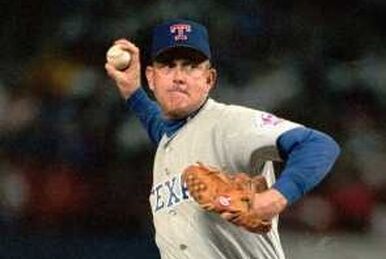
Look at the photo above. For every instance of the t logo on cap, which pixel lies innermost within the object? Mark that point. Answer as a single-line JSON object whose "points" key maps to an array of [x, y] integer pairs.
{"points": [[180, 29], [180, 33]]}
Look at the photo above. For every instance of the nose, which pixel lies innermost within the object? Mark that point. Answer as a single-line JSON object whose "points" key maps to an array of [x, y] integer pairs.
{"points": [[179, 76]]}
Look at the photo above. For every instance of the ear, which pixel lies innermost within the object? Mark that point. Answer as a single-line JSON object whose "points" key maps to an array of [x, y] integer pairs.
{"points": [[211, 79], [149, 72]]}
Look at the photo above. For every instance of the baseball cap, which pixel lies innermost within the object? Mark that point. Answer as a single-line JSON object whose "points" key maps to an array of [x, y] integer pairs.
{"points": [[180, 33]]}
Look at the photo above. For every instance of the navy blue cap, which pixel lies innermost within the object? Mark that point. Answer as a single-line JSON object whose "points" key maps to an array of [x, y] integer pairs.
{"points": [[179, 33]]}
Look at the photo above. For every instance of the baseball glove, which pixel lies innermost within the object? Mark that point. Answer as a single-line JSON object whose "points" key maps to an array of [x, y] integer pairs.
{"points": [[228, 195]]}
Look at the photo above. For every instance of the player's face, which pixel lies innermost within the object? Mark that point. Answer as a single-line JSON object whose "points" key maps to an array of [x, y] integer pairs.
{"points": [[181, 86]]}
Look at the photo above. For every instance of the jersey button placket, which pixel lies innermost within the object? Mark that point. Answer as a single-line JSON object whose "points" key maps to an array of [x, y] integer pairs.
{"points": [[168, 149], [168, 159]]}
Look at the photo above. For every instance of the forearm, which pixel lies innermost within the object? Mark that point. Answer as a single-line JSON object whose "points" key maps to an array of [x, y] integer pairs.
{"points": [[148, 112]]}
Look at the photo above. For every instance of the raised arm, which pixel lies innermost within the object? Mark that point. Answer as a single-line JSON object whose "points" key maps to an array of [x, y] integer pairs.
{"points": [[128, 83]]}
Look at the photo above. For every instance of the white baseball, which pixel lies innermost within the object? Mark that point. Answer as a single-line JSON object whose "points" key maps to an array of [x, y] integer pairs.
{"points": [[118, 57]]}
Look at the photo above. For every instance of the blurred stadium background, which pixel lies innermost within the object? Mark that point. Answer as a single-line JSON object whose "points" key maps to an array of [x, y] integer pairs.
{"points": [[75, 167]]}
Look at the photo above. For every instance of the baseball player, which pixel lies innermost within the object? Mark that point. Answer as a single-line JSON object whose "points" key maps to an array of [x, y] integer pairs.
{"points": [[188, 126]]}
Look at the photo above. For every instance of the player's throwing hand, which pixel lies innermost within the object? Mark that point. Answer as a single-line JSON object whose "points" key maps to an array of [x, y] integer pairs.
{"points": [[129, 79]]}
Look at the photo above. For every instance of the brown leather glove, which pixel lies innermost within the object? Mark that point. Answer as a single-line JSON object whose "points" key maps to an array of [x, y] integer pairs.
{"points": [[228, 195]]}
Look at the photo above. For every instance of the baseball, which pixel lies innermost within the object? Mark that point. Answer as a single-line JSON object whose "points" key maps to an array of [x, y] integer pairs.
{"points": [[118, 57]]}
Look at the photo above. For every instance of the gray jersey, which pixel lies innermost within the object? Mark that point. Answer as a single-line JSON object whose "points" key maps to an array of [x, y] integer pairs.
{"points": [[235, 139]]}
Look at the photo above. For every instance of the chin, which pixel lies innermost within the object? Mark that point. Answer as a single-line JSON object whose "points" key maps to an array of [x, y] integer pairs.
{"points": [[177, 113]]}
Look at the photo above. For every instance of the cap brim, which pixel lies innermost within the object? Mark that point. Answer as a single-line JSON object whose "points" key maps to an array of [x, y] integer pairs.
{"points": [[180, 51]]}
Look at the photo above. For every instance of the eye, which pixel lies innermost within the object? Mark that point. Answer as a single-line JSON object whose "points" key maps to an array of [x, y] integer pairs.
{"points": [[166, 65], [170, 65], [190, 65]]}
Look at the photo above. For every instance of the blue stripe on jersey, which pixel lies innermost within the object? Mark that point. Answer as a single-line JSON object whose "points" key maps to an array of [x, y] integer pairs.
{"points": [[309, 156]]}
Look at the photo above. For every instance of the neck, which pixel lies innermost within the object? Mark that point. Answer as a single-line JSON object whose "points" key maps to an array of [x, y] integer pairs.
{"points": [[188, 115]]}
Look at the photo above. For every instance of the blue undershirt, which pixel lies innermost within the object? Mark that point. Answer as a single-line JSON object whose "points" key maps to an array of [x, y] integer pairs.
{"points": [[307, 153]]}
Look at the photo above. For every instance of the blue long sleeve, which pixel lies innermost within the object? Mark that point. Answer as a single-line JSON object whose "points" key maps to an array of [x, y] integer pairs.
{"points": [[308, 155], [149, 114]]}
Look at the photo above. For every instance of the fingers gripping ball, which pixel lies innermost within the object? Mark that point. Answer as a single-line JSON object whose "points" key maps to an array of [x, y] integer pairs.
{"points": [[228, 195], [118, 57]]}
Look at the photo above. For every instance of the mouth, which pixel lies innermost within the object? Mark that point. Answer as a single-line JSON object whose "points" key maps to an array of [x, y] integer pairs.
{"points": [[178, 93]]}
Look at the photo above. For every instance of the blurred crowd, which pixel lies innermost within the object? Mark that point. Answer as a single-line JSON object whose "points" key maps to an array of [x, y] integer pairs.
{"points": [[73, 159]]}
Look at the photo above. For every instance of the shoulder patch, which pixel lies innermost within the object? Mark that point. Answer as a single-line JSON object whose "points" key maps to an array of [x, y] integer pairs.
{"points": [[267, 120]]}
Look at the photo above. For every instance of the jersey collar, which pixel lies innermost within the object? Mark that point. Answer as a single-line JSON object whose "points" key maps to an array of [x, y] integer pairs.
{"points": [[172, 126]]}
